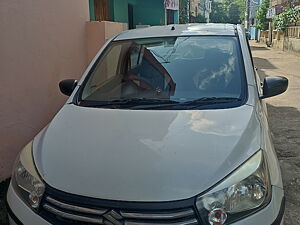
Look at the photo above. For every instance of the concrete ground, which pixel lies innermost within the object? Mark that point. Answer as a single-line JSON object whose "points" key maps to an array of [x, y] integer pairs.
{"points": [[284, 119]]}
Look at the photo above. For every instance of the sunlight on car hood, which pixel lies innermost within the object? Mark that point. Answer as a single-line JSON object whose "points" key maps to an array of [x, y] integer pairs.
{"points": [[144, 155]]}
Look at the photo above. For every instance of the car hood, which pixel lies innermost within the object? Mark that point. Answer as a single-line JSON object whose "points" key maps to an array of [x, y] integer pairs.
{"points": [[144, 155]]}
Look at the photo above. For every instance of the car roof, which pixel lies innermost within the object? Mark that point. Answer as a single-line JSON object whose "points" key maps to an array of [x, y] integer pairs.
{"points": [[194, 29]]}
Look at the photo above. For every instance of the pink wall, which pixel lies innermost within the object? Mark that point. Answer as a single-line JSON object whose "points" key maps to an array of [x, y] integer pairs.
{"points": [[41, 43], [99, 32]]}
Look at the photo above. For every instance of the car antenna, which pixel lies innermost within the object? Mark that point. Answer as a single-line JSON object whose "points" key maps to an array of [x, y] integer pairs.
{"points": [[173, 27]]}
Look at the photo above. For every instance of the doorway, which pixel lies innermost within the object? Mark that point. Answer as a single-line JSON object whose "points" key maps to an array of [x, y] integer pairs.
{"points": [[170, 16], [130, 16], [101, 10]]}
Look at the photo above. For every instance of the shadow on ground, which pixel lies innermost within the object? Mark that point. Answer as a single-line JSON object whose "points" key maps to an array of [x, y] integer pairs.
{"points": [[259, 48], [285, 126], [263, 64], [3, 213]]}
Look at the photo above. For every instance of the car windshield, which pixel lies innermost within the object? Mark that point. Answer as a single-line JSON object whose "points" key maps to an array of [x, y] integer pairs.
{"points": [[168, 72]]}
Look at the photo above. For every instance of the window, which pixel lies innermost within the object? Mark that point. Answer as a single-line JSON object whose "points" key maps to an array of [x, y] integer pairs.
{"points": [[170, 16], [180, 69], [101, 10], [104, 72]]}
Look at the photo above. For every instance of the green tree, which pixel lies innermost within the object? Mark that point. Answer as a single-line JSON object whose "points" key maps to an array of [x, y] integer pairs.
{"points": [[218, 13], [288, 17], [200, 19], [281, 21], [234, 14], [241, 5], [261, 15], [230, 11], [183, 11]]}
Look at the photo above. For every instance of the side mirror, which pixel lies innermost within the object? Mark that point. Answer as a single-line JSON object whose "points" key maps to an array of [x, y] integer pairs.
{"points": [[273, 86], [67, 86]]}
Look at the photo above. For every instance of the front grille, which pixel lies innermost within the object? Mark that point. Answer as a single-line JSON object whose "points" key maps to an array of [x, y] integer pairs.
{"points": [[65, 209]]}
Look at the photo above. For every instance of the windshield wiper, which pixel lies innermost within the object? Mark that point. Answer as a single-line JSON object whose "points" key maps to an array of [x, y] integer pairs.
{"points": [[211, 100], [128, 102], [193, 103], [152, 103]]}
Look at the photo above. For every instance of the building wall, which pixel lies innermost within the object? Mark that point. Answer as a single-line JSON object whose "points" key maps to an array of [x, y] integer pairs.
{"points": [[120, 10], [283, 40], [99, 32], [291, 44], [145, 12], [253, 33], [176, 15], [195, 11], [149, 13], [41, 43]]}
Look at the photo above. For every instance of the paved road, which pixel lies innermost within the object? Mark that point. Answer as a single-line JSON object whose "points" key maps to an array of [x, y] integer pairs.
{"points": [[284, 119]]}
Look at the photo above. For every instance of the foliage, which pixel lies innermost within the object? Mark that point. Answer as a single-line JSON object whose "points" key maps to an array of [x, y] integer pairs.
{"points": [[241, 8], [234, 14], [230, 11], [219, 13], [200, 19], [183, 11], [280, 21], [289, 16], [261, 15], [294, 15]]}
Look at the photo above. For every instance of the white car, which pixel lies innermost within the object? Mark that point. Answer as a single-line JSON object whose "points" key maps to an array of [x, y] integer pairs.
{"points": [[167, 126]]}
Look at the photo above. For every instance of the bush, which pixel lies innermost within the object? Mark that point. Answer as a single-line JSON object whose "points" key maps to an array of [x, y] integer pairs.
{"points": [[280, 21], [290, 16]]}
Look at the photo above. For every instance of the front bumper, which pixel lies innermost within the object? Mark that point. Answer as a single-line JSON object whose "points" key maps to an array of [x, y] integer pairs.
{"points": [[272, 214], [19, 213]]}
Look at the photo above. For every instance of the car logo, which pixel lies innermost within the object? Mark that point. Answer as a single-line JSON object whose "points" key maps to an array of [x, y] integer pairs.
{"points": [[112, 218]]}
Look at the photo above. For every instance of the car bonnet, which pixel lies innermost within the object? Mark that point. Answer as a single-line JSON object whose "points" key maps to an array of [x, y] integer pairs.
{"points": [[144, 155]]}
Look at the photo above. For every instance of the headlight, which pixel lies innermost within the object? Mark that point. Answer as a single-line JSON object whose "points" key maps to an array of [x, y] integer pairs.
{"points": [[26, 180], [242, 193]]}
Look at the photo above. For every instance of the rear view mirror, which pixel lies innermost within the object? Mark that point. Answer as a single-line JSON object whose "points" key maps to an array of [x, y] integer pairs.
{"points": [[67, 86], [273, 86]]}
